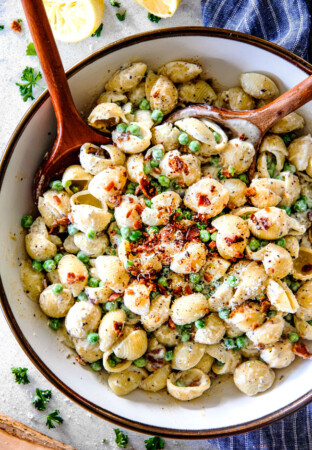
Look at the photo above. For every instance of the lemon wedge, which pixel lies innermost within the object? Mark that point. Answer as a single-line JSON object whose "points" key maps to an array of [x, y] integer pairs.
{"points": [[74, 20], [160, 8]]}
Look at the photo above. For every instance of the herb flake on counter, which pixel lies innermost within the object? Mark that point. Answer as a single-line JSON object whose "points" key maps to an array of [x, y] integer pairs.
{"points": [[153, 18], [98, 32], [31, 78], [30, 49], [1, 27], [20, 374], [41, 399], [114, 3], [121, 17], [154, 443], [53, 417], [121, 438]]}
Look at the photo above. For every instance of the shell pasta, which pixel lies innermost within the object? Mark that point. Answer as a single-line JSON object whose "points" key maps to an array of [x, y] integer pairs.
{"points": [[163, 265]]}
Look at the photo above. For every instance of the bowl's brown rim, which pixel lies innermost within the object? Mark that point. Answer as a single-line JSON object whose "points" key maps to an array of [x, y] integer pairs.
{"points": [[114, 418]]}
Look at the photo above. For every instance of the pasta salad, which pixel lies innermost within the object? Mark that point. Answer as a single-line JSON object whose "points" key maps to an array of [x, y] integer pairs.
{"points": [[158, 260]]}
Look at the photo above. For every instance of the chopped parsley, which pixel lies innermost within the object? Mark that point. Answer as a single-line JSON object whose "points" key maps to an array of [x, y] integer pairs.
{"points": [[53, 417], [98, 32], [154, 443], [20, 374], [19, 20], [31, 80], [121, 438], [30, 50], [153, 18], [41, 399], [121, 17], [1, 27], [114, 3]]}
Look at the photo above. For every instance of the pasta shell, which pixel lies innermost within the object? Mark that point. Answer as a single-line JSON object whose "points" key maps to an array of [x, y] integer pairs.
{"points": [[88, 352], [55, 305], [32, 281], [186, 355], [252, 377], [82, 318], [156, 380], [302, 269], [105, 116], [132, 345], [75, 176], [196, 92], [73, 274], [238, 155], [180, 71], [163, 95], [120, 367], [258, 85], [53, 206], [229, 358], [137, 298], [291, 122], [188, 308], [194, 384], [131, 143], [279, 355], [212, 332], [94, 159], [88, 212], [158, 313], [269, 332], [123, 383], [111, 97], [111, 328], [127, 78], [207, 196], [107, 185], [112, 272]]}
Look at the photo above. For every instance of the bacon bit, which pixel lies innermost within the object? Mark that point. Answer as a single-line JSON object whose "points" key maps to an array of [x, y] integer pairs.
{"points": [[207, 310], [118, 327], [203, 200], [161, 289], [73, 278], [262, 223], [114, 296], [80, 360], [171, 324], [300, 349], [129, 213], [110, 186], [137, 225], [254, 326], [130, 291], [212, 244], [138, 208], [242, 137], [16, 26], [188, 290], [148, 190], [63, 221], [156, 94], [307, 268], [213, 188], [54, 229], [156, 357], [251, 192], [192, 234], [177, 291], [226, 173], [233, 240], [265, 306], [207, 277]]}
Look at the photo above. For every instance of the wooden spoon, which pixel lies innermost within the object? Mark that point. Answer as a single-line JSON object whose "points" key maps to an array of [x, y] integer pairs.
{"points": [[252, 123], [72, 131]]}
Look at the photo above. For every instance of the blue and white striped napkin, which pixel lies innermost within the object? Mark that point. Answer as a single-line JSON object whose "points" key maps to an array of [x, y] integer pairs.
{"points": [[286, 23]]}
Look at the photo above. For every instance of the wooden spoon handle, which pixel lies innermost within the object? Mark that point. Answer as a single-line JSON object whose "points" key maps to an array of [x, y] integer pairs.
{"points": [[51, 63], [288, 102]]}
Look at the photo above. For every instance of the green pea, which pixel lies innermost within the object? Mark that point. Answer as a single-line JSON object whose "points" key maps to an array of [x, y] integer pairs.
{"points": [[125, 232], [140, 362], [56, 185], [93, 282], [129, 192], [201, 323], [281, 242], [169, 355], [133, 129], [148, 202], [220, 363], [199, 287], [152, 229], [154, 294], [74, 189], [110, 251], [244, 178], [135, 235], [164, 181], [214, 236], [57, 258], [204, 235], [185, 336], [224, 313], [163, 281], [180, 383], [183, 139], [179, 214], [82, 297], [215, 161], [293, 337], [287, 209], [49, 265], [91, 233], [241, 342], [229, 343], [83, 257], [194, 146], [97, 366], [57, 289], [263, 243], [188, 215], [111, 306], [92, 338], [287, 138], [27, 221], [37, 266], [194, 278], [147, 168], [157, 115], [217, 137], [121, 127], [300, 206], [289, 167], [271, 313], [72, 230], [295, 285], [231, 171], [232, 281], [130, 263], [157, 153], [279, 177], [254, 244], [144, 105], [154, 163], [55, 324], [309, 322], [67, 184], [114, 360], [288, 317]]}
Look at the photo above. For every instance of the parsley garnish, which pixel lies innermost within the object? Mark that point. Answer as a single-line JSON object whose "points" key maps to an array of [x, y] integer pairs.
{"points": [[26, 89], [20, 375], [122, 16], [53, 417], [121, 438], [41, 399], [153, 18], [114, 3], [1, 27], [98, 32], [154, 443], [30, 50], [104, 441], [19, 20]]}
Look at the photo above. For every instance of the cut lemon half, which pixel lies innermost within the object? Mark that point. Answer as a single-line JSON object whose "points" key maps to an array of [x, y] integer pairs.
{"points": [[74, 20], [160, 8]]}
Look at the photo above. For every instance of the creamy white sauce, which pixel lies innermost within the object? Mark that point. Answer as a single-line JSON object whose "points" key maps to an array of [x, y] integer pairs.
{"points": [[242, 126]]}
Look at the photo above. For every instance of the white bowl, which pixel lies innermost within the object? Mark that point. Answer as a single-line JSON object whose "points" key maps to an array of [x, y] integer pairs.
{"points": [[223, 410]]}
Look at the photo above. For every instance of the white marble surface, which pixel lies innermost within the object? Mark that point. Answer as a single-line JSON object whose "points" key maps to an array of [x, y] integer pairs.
{"points": [[80, 429]]}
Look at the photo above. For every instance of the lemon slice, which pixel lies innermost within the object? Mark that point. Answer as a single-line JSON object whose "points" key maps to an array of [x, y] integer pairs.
{"points": [[74, 20], [160, 8]]}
